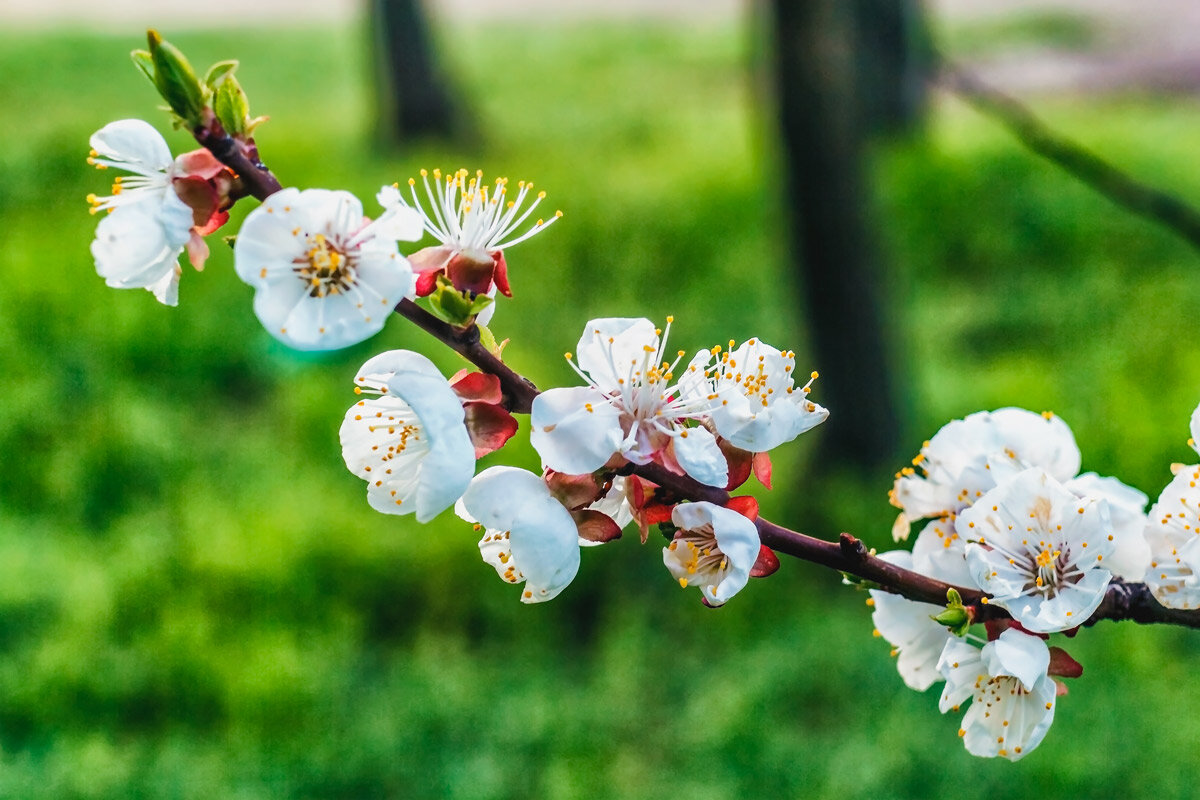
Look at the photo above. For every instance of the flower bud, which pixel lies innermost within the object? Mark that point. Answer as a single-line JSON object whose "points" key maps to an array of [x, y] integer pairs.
{"points": [[175, 80], [956, 617]]}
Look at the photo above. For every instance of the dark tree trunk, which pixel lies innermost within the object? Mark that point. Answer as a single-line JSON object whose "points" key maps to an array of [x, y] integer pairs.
{"points": [[839, 72], [415, 97]]}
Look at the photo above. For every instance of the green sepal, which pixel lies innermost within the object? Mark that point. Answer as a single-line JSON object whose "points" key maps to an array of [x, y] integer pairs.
{"points": [[230, 240], [861, 584], [451, 305], [218, 71], [956, 617], [176, 80], [231, 106], [144, 63], [488, 339]]}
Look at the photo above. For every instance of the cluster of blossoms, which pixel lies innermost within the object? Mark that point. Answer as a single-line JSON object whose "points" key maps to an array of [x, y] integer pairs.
{"points": [[325, 277], [1009, 516], [1008, 519], [416, 444]]}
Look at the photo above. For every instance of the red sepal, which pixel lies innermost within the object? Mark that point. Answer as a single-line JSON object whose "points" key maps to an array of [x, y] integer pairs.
{"points": [[427, 282], [739, 462], [746, 506], [766, 564], [490, 426], [476, 387], [500, 273], [573, 491], [595, 526], [655, 513], [1062, 665], [762, 468]]}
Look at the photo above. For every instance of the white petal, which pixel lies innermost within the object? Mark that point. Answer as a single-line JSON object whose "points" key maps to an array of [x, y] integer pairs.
{"points": [[131, 248], [908, 626], [961, 666], [1017, 654], [1008, 723], [1172, 528], [697, 452], [1039, 441], [1131, 554], [940, 552], [608, 346], [575, 429], [1194, 426], [166, 289], [542, 536], [133, 142]]}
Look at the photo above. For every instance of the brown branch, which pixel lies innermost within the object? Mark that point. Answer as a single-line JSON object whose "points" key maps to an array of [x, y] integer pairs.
{"points": [[256, 180], [1118, 186], [1123, 601], [518, 390]]}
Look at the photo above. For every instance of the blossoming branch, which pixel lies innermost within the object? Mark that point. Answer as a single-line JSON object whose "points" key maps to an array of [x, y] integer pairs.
{"points": [[1016, 544]]}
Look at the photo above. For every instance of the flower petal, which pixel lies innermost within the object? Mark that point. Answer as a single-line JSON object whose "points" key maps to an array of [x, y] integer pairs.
{"points": [[574, 429]]}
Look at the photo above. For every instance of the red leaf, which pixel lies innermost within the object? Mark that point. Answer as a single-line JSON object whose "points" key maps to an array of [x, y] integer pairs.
{"points": [[762, 468], [490, 426], [766, 564], [746, 506], [595, 526]]}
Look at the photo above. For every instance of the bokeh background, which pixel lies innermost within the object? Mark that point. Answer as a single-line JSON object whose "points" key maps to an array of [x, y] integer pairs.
{"points": [[196, 600]]}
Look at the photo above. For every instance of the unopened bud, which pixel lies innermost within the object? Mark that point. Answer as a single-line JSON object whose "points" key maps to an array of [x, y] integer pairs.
{"points": [[176, 80], [956, 617]]}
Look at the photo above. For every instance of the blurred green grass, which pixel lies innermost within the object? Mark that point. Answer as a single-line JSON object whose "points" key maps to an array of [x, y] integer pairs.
{"points": [[196, 601]]}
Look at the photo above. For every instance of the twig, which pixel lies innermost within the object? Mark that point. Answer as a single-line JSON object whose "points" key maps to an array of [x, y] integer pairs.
{"points": [[256, 179], [1122, 601], [1119, 187]]}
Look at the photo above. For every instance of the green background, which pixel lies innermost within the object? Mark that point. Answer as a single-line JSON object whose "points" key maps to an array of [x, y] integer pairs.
{"points": [[197, 602]]}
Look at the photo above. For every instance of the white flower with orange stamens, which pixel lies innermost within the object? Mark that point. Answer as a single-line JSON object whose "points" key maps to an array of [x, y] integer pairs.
{"points": [[756, 405], [1012, 694], [164, 206], [917, 639], [528, 536], [324, 276], [473, 222], [408, 441], [1039, 550], [632, 407], [713, 549], [1173, 534]]}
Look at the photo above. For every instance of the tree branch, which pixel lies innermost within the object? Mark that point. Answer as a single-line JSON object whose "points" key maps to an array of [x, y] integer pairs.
{"points": [[1119, 187], [256, 179], [1122, 601]]}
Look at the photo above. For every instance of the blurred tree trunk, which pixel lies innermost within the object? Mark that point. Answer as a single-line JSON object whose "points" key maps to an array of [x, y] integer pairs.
{"points": [[415, 99], [843, 69]]}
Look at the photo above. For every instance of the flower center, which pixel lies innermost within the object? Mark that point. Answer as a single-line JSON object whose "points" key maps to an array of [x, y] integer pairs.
{"points": [[696, 552], [325, 266]]}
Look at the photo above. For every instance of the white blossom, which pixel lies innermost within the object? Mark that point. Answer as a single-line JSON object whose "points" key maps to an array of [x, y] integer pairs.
{"points": [[1038, 550], [1012, 695], [528, 536], [1173, 535], [139, 242], [631, 407], [756, 404], [324, 276], [714, 549], [408, 441]]}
